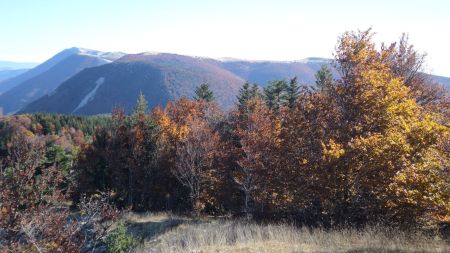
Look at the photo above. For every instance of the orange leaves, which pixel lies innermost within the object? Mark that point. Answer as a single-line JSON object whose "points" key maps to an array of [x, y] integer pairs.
{"points": [[189, 141]]}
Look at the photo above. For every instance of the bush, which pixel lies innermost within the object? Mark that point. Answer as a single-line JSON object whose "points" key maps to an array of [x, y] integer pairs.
{"points": [[120, 240]]}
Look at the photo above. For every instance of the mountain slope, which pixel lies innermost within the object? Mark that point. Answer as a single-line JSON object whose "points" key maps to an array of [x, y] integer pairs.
{"points": [[41, 68], [163, 77], [261, 72], [445, 81], [160, 78], [10, 73], [9, 65], [46, 81]]}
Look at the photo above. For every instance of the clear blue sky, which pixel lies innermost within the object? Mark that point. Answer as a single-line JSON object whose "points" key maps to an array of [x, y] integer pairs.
{"points": [[34, 30]]}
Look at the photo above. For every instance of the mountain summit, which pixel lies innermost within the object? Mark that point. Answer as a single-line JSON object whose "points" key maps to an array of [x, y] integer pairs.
{"points": [[44, 78]]}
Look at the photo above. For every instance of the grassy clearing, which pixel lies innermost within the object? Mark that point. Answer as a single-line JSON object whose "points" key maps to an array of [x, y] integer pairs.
{"points": [[166, 233]]}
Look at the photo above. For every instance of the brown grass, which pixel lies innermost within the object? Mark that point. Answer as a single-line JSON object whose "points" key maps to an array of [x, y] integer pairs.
{"points": [[166, 233]]}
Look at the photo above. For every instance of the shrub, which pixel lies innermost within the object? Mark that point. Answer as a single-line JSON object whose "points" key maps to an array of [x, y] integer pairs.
{"points": [[120, 240]]}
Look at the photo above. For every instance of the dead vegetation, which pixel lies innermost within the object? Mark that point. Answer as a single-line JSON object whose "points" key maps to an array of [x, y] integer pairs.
{"points": [[164, 233]]}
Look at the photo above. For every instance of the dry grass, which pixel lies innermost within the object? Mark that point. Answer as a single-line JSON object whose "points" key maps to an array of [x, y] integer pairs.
{"points": [[165, 233]]}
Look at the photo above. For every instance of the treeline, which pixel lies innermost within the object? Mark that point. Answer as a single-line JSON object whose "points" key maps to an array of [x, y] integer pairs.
{"points": [[370, 146]]}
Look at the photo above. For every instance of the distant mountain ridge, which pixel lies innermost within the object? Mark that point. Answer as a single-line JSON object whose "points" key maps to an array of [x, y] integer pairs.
{"points": [[160, 78], [10, 65], [10, 73], [92, 82], [47, 76]]}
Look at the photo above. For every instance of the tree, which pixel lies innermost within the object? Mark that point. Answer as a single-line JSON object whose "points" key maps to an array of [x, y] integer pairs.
{"points": [[203, 92], [388, 141], [188, 131], [407, 63], [363, 149], [246, 93], [324, 78], [292, 92], [140, 109], [122, 159], [193, 161], [306, 182], [275, 94], [258, 137]]}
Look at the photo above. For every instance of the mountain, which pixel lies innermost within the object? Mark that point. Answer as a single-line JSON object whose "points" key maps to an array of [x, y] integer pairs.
{"points": [[6, 74], [41, 68], [160, 77], [261, 72], [46, 77], [163, 77], [445, 81], [9, 65]]}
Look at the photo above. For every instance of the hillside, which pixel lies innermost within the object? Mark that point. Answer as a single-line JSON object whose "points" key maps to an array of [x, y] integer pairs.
{"points": [[10, 65], [261, 72], [41, 68], [163, 77], [6, 74], [445, 81], [160, 78], [46, 77]]}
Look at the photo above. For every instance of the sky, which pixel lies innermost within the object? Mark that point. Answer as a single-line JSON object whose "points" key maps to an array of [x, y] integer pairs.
{"points": [[32, 30]]}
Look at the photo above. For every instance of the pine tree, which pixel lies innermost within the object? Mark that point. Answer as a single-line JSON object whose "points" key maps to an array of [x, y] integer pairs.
{"points": [[275, 94], [140, 110], [246, 93], [141, 105], [255, 91], [324, 78], [203, 92], [292, 92]]}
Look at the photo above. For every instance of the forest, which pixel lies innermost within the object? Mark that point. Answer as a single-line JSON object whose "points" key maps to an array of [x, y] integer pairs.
{"points": [[369, 147]]}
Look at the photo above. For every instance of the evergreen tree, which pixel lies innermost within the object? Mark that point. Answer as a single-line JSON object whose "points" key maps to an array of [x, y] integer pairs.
{"points": [[139, 111], [255, 92], [324, 78], [275, 94], [246, 93], [203, 92], [292, 92], [141, 105]]}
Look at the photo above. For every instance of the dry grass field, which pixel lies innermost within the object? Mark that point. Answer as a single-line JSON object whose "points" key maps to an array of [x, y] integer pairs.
{"points": [[166, 233]]}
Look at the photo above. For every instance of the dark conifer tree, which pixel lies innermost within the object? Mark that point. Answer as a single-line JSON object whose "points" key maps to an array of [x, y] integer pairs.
{"points": [[275, 94], [324, 78], [292, 92], [203, 92], [246, 93]]}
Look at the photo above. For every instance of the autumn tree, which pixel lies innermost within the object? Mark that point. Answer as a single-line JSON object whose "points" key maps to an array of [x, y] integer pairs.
{"points": [[257, 135], [307, 185], [122, 159], [388, 142], [188, 146], [194, 158], [32, 216]]}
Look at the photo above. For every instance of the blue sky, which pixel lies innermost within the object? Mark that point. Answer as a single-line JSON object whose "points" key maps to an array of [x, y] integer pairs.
{"points": [[32, 30]]}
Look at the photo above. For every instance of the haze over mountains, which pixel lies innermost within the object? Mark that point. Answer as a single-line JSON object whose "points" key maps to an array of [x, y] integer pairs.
{"points": [[82, 81]]}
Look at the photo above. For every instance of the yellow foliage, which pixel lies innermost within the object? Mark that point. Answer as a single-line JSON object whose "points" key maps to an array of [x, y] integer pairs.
{"points": [[331, 151]]}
